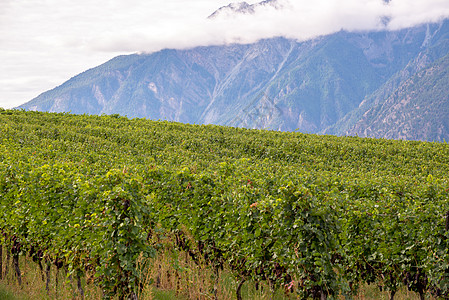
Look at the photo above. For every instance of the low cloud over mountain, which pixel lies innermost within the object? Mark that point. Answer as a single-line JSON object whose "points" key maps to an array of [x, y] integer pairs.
{"points": [[44, 44], [375, 83]]}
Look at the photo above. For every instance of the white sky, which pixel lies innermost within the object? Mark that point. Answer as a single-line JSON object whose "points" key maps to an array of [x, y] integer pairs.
{"points": [[45, 42]]}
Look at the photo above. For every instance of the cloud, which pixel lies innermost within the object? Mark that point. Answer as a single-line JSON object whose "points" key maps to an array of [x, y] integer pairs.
{"points": [[302, 20], [45, 42], [410, 13], [139, 26]]}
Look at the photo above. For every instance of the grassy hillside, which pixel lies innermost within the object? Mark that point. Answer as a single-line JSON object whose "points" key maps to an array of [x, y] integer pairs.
{"points": [[316, 215]]}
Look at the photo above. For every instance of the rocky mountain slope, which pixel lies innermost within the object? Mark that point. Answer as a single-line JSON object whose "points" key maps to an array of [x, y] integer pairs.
{"points": [[405, 84], [343, 83], [244, 8], [417, 109]]}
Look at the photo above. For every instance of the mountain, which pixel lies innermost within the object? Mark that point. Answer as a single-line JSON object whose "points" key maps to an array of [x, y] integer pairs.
{"points": [[403, 87], [344, 83], [244, 8], [417, 109]]}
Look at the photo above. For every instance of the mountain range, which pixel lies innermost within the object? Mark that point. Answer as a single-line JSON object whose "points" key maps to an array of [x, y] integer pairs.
{"points": [[384, 84], [244, 8]]}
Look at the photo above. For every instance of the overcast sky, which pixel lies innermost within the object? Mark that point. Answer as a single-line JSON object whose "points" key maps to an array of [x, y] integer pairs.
{"points": [[45, 42]]}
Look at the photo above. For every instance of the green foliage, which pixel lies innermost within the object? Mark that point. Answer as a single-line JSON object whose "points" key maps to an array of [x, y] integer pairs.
{"points": [[315, 214], [5, 295]]}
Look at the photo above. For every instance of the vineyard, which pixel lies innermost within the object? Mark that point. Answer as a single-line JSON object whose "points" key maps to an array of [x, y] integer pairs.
{"points": [[315, 215]]}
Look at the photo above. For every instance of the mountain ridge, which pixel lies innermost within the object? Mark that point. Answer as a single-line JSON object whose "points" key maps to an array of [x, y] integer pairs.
{"points": [[324, 85], [237, 8]]}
